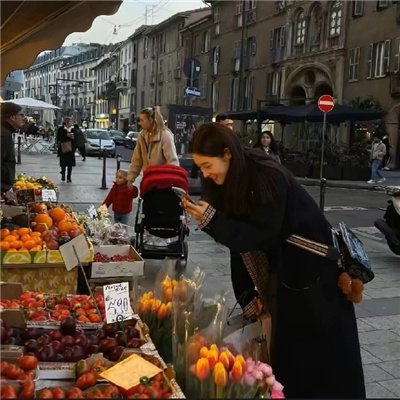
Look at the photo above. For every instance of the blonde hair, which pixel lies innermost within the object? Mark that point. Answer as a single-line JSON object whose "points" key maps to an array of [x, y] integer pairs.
{"points": [[124, 172], [155, 114]]}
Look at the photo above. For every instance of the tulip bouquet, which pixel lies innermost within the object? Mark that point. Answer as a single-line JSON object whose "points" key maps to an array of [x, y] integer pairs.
{"points": [[219, 374]]}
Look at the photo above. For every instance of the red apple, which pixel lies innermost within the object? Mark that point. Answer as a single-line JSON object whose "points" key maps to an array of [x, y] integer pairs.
{"points": [[52, 245], [39, 208], [55, 334], [74, 233], [40, 228]]}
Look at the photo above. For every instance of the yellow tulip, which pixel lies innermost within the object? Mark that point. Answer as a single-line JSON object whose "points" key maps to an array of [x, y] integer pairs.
{"points": [[212, 357], [162, 313], [202, 368], [224, 359], [220, 375], [167, 292], [155, 305], [168, 308], [240, 358], [203, 352]]}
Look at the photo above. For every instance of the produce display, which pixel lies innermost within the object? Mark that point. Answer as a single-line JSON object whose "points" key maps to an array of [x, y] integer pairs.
{"points": [[98, 257], [24, 369], [24, 182], [22, 390]]}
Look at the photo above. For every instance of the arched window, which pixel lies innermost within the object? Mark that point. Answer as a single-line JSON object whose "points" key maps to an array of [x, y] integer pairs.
{"points": [[300, 28], [335, 18]]}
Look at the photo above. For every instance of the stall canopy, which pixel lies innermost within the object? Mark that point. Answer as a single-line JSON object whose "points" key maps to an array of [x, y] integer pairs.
{"points": [[30, 27], [33, 104]]}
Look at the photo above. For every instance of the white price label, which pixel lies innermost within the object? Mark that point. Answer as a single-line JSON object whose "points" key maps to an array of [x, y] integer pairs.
{"points": [[117, 304], [92, 211], [49, 195]]}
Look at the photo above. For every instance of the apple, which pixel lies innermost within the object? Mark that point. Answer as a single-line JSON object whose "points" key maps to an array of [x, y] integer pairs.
{"points": [[55, 334], [39, 208], [31, 346], [57, 346], [67, 341], [108, 345], [52, 245], [44, 339], [46, 354], [74, 233], [40, 228], [81, 341]]}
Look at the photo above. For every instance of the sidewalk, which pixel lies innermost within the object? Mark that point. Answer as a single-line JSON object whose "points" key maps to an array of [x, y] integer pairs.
{"points": [[378, 314]]}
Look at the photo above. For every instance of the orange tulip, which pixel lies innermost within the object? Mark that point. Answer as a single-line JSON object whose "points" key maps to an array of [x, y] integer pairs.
{"points": [[193, 352], [180, 293], [155, 305], [145, 306], [220, 375], [202, 368], [148, 296], [203, 352], [167, 282], [224, 359], [168, 308], [240, 358], [167, 292], [212, 357], [214, 347], [162, 312], [237, 371]]}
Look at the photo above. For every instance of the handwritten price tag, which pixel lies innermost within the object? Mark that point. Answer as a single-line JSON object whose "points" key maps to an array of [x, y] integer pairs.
{"points": [[92, 211], [49, 195], [117, 304]]}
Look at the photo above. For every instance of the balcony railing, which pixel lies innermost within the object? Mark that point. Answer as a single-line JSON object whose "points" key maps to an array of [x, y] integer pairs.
{"points": [[122, 84]]}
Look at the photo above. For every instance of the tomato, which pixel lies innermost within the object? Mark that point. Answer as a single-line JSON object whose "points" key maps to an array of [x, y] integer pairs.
{"points": [[144, 396], [98, 367], [8, 392], [13, 372], [3, 367], [45, 394], [58, 393], [82, 367], [75, 393], [30, 375], [156, 392], [86, 380], [94, 393], [28, 362], [28, 390], [111, 392]]}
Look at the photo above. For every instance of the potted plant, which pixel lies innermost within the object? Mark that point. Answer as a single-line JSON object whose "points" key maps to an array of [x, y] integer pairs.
{"points": [[332, 166]]}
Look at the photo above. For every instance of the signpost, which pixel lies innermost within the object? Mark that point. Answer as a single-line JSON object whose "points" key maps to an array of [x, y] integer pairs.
{"points": [[192, 92], [325, 104], [192, 70]]}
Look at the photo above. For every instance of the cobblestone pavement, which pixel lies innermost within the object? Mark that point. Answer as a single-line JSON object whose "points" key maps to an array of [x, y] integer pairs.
{"points": [[378, 314]]}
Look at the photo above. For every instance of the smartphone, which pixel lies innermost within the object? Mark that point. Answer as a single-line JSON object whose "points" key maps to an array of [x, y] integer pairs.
{"points": [[182, 194]]}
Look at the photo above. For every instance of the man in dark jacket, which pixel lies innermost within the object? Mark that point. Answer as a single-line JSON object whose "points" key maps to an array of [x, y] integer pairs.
{"points": [[80, 140], [12, 119]]}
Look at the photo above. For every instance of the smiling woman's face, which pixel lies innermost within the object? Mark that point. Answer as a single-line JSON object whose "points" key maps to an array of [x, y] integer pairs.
{"points": [[215, 168]]}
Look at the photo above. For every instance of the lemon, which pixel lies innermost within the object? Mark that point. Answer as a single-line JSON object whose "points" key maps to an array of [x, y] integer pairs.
{"points": [[17, 258], [54, 257], [40, 257]]}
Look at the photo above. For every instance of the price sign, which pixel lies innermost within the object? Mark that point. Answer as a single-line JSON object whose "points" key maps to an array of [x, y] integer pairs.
{"points": [[49, 195], [117, 304], [92, 212]]}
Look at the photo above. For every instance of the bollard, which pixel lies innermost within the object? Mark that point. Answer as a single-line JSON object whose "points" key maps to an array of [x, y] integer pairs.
{"points": [[119, 158], [103, 178], [19, 150], [322, 190], [99, 149]]}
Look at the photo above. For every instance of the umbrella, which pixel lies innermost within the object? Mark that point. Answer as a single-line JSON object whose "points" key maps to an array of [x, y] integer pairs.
{"points": [[28, 102], [312, 113]]}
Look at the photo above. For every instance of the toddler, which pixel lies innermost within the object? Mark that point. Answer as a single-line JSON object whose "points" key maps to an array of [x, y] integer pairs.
{"points": [[121, 197]]}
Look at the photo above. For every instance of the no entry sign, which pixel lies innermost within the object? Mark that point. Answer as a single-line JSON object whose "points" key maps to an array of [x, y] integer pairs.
{"points": [[326, 103]]}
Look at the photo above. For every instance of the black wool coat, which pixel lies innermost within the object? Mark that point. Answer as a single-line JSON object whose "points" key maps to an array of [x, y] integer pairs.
{"points": [[66, 159], [315, 350], [8, 161]]}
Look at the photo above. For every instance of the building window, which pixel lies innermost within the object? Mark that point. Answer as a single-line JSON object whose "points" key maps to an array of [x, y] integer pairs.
{"points": [[397, 55], [382, 4], [206, 41], [358, 8], [214, 96], [378, 59], [144, 75], [204, 84], [216, 20], [145, 47], [354, 61], [335, 19], [233, 94], [239, 13], [197, 45], [276, 83], [300, 28]]}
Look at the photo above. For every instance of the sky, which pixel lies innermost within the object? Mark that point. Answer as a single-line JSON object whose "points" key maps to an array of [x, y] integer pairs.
{"points": [[130, 16]]}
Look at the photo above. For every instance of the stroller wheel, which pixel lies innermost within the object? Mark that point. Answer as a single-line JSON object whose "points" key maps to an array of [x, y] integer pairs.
{"points": [[182, 261]]}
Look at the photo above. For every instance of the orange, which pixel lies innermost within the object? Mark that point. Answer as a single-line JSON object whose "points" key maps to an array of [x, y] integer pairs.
{"points": [[36, 248], [24, 231], [25, 237], [12, 250], [64, 226], [81, 228], [44, 219], [10, 238], [37, 239], [16, 244], [4, 232], [23, 249], [38, 234], [15, 233], [29, 244], [58, 214], [4, 246]]}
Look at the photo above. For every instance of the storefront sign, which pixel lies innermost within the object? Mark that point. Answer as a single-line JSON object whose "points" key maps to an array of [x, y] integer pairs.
{"points": [[117, 303], [49, 195]]}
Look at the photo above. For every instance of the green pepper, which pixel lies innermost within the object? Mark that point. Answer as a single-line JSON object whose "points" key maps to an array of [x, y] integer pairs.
{"points": [[82, 367]]}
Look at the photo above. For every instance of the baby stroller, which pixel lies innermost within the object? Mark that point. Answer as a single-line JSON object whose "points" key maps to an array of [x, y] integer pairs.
{"points": [[160, 214]]}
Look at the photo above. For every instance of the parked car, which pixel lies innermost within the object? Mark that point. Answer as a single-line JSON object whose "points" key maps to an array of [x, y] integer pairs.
{"points": [[131, 139], [117, 136], [97, 137]]}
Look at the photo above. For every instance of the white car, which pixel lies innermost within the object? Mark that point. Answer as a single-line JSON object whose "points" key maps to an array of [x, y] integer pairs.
{"points": [[99, 137]]}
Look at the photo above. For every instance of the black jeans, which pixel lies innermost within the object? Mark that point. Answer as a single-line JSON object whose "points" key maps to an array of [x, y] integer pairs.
{"points": [[82, 151], [69, 172]]}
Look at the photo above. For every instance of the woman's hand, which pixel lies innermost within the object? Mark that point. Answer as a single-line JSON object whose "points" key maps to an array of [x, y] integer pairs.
{"points": [[130, 185], [197, 211]]}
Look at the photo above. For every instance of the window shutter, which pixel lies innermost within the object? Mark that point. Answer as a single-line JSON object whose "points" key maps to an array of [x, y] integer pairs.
{"points": [[397, 56], [369, 60], [244, 45], [217, 54], [283, 37], [271, 39], [358, 8], [386, 57], [216, 95], [247, 5], [230, 95], [254, 46], [269, 84], [251, 90], [351, 62], [357, 63]]}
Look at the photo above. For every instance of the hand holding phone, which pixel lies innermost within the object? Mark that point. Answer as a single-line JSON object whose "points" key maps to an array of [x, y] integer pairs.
{"points": [[182, 194]]}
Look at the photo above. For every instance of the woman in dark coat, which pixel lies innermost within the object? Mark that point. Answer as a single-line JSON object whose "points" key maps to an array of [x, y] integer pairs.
{"points": [[267, 143], [253, 205], [67, 160]]}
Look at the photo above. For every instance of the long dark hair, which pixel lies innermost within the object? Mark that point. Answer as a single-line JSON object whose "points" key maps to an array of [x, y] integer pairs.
{"points": [[249, 181], [273, 146]]}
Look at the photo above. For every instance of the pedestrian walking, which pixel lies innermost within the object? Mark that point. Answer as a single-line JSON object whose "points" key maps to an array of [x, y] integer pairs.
{"points": [[267, 143], [66, 149], [12, 119], [121, 197], [155, 144], [386, 157], [378, 151], [80, 140], [253, 204]]}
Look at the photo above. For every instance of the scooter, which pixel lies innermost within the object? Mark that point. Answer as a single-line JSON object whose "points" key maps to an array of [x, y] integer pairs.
{"points": [[390, 224]]}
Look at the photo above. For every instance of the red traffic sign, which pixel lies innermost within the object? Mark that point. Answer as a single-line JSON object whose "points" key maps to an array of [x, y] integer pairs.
{"points": [[326, 103]]}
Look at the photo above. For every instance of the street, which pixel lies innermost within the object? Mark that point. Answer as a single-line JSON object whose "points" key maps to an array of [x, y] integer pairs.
{"points": [[378, 314]]}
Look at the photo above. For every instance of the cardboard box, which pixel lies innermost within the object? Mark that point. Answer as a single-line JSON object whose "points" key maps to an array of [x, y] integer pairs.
{"points": [[55, 257], [23, 257], [12, 211], [117, 269]]}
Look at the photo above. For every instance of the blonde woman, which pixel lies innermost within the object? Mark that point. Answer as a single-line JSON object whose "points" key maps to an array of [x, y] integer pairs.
{"points": [[155, 144]]}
